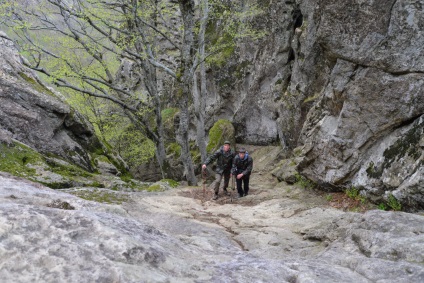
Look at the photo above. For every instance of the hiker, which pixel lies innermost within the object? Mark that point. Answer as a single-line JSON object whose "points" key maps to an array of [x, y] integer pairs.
{"points": [[224, 160], [242, 168]]}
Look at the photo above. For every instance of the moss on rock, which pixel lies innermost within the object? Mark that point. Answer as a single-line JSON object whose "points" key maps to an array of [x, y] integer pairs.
{"points": [[155, 188], [171, 183], [17, 158], [221, 131], [36, 85], [22, 161], [174, 149], [101, 195]]}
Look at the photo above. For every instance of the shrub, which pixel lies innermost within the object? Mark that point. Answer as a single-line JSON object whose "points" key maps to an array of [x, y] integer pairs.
{"points": [[303, 182], [354, 194], [393, 203], [382, 206]]}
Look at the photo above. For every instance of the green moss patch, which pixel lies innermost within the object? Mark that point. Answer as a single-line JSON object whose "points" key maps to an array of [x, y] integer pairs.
{"points": [[171, 183], [66, 170], [304, 182], [36, 85], [101, 195], [221, 131], [168, 116], [155, 188], [17, 159], [22, 161], [174, 149]]}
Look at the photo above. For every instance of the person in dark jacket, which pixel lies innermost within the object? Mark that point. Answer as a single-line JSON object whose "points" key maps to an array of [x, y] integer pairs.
{"points": [[224, 160], [242, 168]]}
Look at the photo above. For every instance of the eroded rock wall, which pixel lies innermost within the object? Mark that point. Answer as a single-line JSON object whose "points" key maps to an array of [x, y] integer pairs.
{"points": [[345, 80], [366, 127], [31, 113], [248, 89]]}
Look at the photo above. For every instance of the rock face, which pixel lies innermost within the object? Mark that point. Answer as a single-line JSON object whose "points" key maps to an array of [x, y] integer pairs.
{"points": [[366, 127], [345, 80], [248, 89], [32, 114]]}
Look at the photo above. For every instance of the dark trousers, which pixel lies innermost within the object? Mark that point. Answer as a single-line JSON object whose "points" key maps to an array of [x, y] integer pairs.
{"points": [[218, 178], [245, 181]]}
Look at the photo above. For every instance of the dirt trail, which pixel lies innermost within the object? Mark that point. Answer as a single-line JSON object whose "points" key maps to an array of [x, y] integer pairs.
{"points": [[273, 219], [263, 186]]}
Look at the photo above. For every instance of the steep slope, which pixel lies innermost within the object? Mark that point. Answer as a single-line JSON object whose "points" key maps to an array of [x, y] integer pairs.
{"points": [[32, 114]]}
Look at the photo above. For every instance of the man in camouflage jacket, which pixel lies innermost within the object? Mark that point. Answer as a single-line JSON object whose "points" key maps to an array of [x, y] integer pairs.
{"points": [[224, 160]]}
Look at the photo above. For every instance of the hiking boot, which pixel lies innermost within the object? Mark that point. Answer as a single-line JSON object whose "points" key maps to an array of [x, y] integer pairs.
{"points": [[227, 193], [239, 196], [215, 197]]}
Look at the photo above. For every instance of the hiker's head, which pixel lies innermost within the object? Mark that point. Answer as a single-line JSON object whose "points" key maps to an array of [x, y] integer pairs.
{"points": [[242, 152], [226, 145]]}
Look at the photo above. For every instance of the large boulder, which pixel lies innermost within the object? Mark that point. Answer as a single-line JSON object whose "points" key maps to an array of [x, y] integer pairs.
{"points": [[365, 128], [34, 115]]}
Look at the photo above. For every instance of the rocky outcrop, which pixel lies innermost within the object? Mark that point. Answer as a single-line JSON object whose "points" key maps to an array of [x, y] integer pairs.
{"points": [[343, 79], [32, 114], [249, 88], [366, 127]]}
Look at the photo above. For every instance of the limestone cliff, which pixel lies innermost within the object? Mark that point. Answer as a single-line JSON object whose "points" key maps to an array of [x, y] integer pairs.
{"points": [[366, 127], [32, 114], [344, 79]]}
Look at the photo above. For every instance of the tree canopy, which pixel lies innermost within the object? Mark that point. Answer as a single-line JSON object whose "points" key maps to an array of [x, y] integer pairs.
{"points": [[139, 55]]}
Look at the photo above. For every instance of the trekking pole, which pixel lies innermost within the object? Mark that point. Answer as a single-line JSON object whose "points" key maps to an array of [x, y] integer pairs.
{"points": [[204, 182], [232, 187]]}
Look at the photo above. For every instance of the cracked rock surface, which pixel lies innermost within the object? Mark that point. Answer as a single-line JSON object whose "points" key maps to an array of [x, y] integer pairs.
{"points": [[279, 233]]}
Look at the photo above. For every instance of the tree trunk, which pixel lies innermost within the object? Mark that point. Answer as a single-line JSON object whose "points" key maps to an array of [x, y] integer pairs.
{"points": [[151, 83], [200, 124], [160, 145], [201, 99], [184, 141], [186, 85]]}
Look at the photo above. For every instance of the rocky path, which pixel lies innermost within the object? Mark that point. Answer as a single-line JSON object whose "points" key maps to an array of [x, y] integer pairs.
{"points": [[281, 222], [278, 233], [273, 219]]}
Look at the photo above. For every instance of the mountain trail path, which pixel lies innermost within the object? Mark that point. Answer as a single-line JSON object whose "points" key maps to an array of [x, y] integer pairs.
{"points": [[270, 222]]}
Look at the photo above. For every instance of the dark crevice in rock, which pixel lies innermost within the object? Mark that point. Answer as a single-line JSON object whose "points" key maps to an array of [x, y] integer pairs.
{"points": [[361, 64], [402, 73], [408, 121], [290, 56], [297, 17]]}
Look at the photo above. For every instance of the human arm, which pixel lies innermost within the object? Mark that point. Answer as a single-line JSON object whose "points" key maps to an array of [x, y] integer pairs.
{"points": [[249, 166], [211, 158], [234, 166]]}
